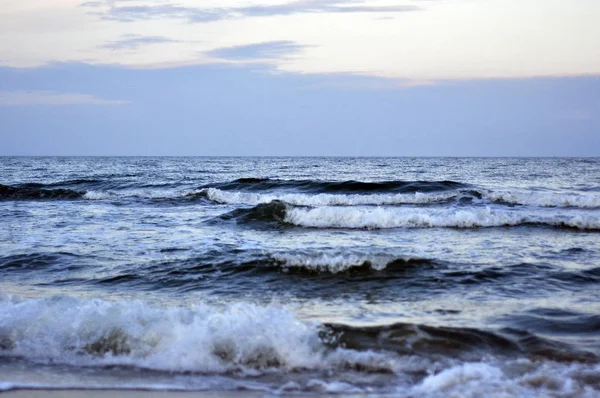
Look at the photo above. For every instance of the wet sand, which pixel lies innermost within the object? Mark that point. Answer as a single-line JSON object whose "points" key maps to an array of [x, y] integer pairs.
{"points": [[127, 394], [41, 393]]}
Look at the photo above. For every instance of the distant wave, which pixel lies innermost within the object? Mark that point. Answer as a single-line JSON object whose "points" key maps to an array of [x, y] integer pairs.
{"points": [[347, 262], [311, 193], [78, 181], [323, 199], [232, 266], [324, 268], [545, 199], [37, 262], [139, 193], [314, 186], [30, 192]]}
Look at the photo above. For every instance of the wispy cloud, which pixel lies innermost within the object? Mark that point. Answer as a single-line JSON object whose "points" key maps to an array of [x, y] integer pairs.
{"points": [[320, 6], [22, 98], [132, 42], [258, 51], [129, 13]]}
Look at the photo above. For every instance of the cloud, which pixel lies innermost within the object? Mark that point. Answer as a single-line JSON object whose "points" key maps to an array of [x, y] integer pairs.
{"points": [[265, 50], [22, 98], [128, 13], [132, 42], [92, 4], [134, 13]]}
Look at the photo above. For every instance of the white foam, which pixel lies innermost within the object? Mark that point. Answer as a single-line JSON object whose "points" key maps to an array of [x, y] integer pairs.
{"points": [[517, 378], [386, 217], [252, 339], [300, 199], [546, 199], [335, 262], [136, 193], [4, 386], [463, 376]]}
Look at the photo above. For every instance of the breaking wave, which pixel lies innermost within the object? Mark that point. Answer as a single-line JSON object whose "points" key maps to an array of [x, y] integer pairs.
{"points": [[238, 337], [254, 343], [241, 337]]}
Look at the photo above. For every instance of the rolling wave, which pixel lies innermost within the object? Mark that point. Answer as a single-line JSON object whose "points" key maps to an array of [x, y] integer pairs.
{"points": [[540, 199], [311, 193], [335, 263], [323, 199], [546, 199], [240, 269], [400, 217]]}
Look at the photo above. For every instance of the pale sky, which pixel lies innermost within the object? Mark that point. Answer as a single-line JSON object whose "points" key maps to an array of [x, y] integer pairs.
{"points": [[305, 77]]}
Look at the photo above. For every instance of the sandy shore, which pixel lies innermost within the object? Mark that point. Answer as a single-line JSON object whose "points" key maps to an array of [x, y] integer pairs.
{"points": [[126, 394]]}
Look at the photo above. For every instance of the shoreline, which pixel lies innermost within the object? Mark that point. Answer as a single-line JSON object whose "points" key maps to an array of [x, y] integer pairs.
{"points": [[111, 393], [141, 393]]}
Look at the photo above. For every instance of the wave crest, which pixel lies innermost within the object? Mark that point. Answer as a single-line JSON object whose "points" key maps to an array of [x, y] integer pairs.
{"points": [[323, 199], [198, 339], [381, 218], [546, 199], [350, 262], [315, 186]]}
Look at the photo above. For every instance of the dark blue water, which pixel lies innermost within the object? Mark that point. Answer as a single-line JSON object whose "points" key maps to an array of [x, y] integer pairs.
{"points": [[399, 276]]}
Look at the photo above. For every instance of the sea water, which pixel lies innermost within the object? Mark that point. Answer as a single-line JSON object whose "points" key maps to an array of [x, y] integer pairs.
{"points": [[406, 277]]}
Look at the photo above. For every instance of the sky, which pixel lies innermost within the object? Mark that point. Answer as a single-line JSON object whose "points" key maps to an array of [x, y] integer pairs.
{"points": [[300, 78]]}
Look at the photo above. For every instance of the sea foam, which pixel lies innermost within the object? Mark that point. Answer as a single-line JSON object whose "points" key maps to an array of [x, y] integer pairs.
{"points": [[546, 199], [340, 262], [528, 198], [386, 217], [240, 337]]}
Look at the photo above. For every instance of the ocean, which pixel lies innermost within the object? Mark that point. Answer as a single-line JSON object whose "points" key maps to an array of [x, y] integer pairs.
{"points": [[404, 277]]}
